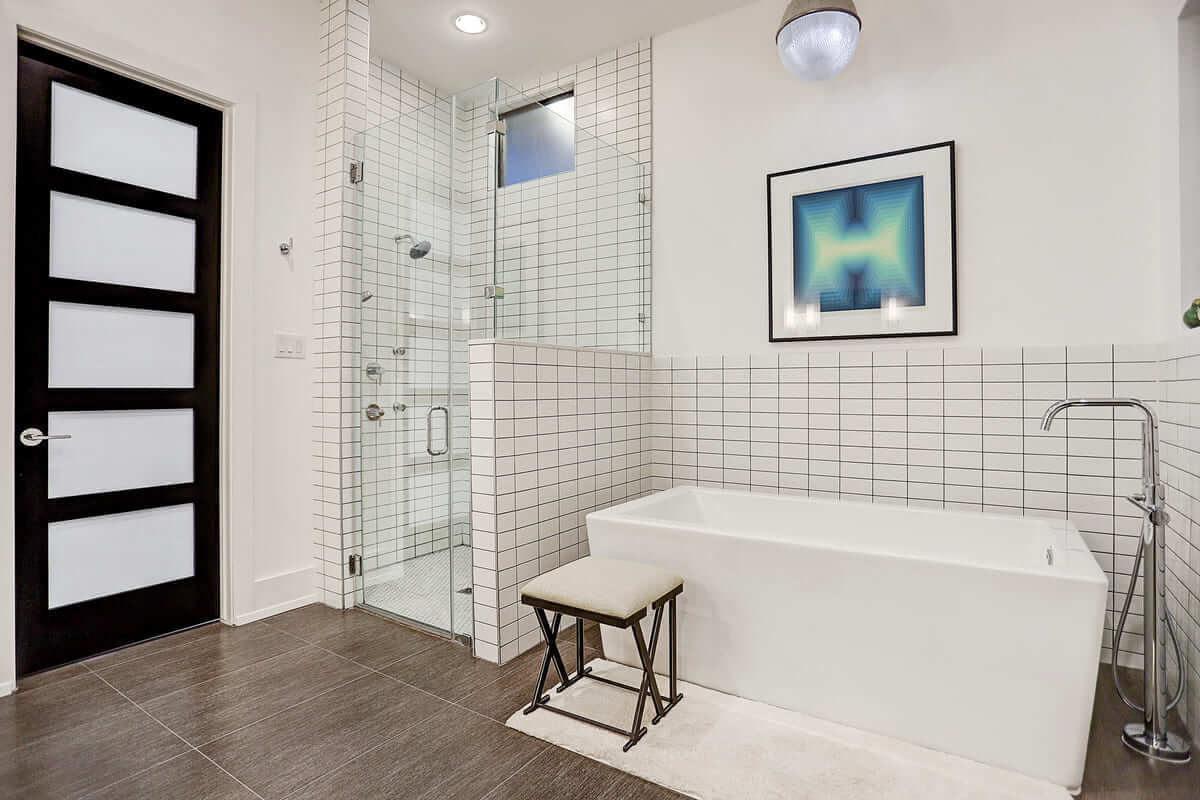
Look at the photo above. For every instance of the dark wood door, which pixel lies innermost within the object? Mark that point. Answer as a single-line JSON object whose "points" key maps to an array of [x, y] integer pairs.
{"points": [[117, 412]]}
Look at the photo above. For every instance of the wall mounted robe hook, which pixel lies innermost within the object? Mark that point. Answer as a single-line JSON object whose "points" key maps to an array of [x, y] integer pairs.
{"points": [[286, 247]]}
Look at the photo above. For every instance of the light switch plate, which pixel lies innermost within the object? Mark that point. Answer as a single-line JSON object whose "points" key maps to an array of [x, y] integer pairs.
{"points": [[289, 346]]}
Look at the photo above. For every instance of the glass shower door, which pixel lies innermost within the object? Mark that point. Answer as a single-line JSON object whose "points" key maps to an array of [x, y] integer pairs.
{"points": [[414, 423]]}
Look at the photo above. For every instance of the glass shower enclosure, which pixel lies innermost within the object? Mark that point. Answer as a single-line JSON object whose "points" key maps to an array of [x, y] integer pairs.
{"points": [[460, 238]]}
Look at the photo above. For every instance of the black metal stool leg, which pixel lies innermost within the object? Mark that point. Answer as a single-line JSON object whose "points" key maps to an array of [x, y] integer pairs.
{"points": [[675, 696], [551, 634], [637, 731], [578, 647], [541, 681], [648, 662], [649, 683]]}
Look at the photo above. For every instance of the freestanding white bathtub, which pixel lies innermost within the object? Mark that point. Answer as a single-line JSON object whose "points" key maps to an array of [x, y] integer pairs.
{"points": [[972, 634]]}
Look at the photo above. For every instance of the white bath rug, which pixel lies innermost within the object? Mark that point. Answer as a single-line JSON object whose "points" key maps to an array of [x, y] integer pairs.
{"points": [[715, 746]]}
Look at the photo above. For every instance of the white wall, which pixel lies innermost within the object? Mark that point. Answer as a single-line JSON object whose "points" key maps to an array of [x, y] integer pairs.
{"points": [[1058, 112], [261, 59]]}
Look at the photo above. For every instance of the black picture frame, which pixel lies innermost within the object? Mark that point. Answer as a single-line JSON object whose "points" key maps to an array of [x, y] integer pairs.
{"points": [[953, 330]]}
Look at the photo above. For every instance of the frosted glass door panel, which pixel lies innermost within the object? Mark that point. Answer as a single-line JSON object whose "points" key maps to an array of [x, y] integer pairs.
{"points": [[107, 347], [113, 450], [99, 556], [91, 240], [102, 137]]}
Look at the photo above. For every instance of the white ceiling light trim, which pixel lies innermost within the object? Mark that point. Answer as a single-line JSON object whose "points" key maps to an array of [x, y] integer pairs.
{"points": [[470, 24], [817, 38]]}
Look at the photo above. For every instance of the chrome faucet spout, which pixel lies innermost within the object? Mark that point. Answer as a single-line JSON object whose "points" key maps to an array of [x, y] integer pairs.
{"points": [[1099, 402]]}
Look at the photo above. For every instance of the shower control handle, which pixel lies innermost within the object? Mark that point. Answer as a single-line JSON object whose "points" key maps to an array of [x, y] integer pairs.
{"points": [[429, 431]]}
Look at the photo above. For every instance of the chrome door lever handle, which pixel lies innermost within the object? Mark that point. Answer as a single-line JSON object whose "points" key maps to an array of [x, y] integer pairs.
{"points": [[32, 437]]}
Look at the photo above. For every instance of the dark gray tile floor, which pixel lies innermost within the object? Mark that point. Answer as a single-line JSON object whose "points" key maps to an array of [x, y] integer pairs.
{"points": [[323, 704]]}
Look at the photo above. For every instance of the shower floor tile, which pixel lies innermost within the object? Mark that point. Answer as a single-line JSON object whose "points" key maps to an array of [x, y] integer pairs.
{"points": [[419, 589]]}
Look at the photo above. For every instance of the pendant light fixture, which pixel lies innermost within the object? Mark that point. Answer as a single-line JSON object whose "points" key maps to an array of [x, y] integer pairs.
{"points": [[817, 38]]}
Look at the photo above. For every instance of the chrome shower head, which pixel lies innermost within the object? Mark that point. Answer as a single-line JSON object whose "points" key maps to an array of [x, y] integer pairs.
{"points": [[418, 250]]}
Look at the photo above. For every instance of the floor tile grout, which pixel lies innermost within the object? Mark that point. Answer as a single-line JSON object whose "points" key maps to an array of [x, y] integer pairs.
{"points": [[366, 752], [222, 676], [443, 704], [274, 714], [379, 671], [546, 748], [177, 736], [214, 625]]}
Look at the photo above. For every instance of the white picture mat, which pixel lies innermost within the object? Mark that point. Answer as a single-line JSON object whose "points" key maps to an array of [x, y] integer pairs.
{"points": [[938, 312]]}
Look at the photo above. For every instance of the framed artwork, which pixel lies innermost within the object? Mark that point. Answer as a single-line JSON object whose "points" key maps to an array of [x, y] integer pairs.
{"points": [[864, 248]]}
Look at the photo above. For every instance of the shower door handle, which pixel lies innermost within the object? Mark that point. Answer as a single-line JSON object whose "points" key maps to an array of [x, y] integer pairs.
{"points": [[429, 432]]}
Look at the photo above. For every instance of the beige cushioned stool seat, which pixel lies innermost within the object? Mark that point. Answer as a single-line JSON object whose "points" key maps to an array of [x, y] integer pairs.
{"points": [[603, 586]]}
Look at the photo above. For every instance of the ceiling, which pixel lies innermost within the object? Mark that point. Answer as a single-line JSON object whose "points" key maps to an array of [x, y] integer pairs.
{"points": [[524, 38]]}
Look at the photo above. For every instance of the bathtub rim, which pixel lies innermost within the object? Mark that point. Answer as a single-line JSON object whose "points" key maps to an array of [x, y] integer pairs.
{"points": [[1084, 568]]}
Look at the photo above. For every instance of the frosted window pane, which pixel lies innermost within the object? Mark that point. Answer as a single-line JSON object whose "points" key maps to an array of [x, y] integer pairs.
{"points": [[114, 450], [111, 347], [91, 240], [539, 141], [98, 556], [102, 137]]}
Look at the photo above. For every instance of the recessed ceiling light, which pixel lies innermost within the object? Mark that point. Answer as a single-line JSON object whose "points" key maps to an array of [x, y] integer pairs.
{"points": [[470, 23]]}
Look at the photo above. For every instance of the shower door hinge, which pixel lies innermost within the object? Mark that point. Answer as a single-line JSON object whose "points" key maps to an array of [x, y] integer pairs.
{"points": [[642, 317], [354, 563], [493, 292], [642, 198], [356, 171]]}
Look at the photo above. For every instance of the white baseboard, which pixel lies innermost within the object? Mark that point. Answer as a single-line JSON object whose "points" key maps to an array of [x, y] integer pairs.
{"points": [[270, 611], [6, 688], [277, 594]]}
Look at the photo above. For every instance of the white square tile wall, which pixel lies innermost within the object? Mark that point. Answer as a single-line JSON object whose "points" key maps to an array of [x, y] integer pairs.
{"points": [[556, 432], [949, 428], [1179, 375], [341, 94]]}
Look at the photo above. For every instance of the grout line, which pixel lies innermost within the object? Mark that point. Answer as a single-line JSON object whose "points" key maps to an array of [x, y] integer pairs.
{"points": [[177, 736], [423, 720], [546, 748]]}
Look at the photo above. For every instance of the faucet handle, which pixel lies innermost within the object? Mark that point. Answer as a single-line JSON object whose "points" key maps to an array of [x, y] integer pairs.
{"points": [[1157, 513], [1139, 500]]}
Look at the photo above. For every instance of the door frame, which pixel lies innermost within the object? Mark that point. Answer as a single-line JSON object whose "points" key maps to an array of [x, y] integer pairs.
{"points": [[236, 375]]}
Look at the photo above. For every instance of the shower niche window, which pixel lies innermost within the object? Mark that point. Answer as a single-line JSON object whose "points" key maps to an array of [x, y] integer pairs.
{"points": [[563, 234]]}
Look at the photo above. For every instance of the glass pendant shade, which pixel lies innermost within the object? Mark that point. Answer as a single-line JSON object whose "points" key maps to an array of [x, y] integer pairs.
{"points": [[817, 38]]}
